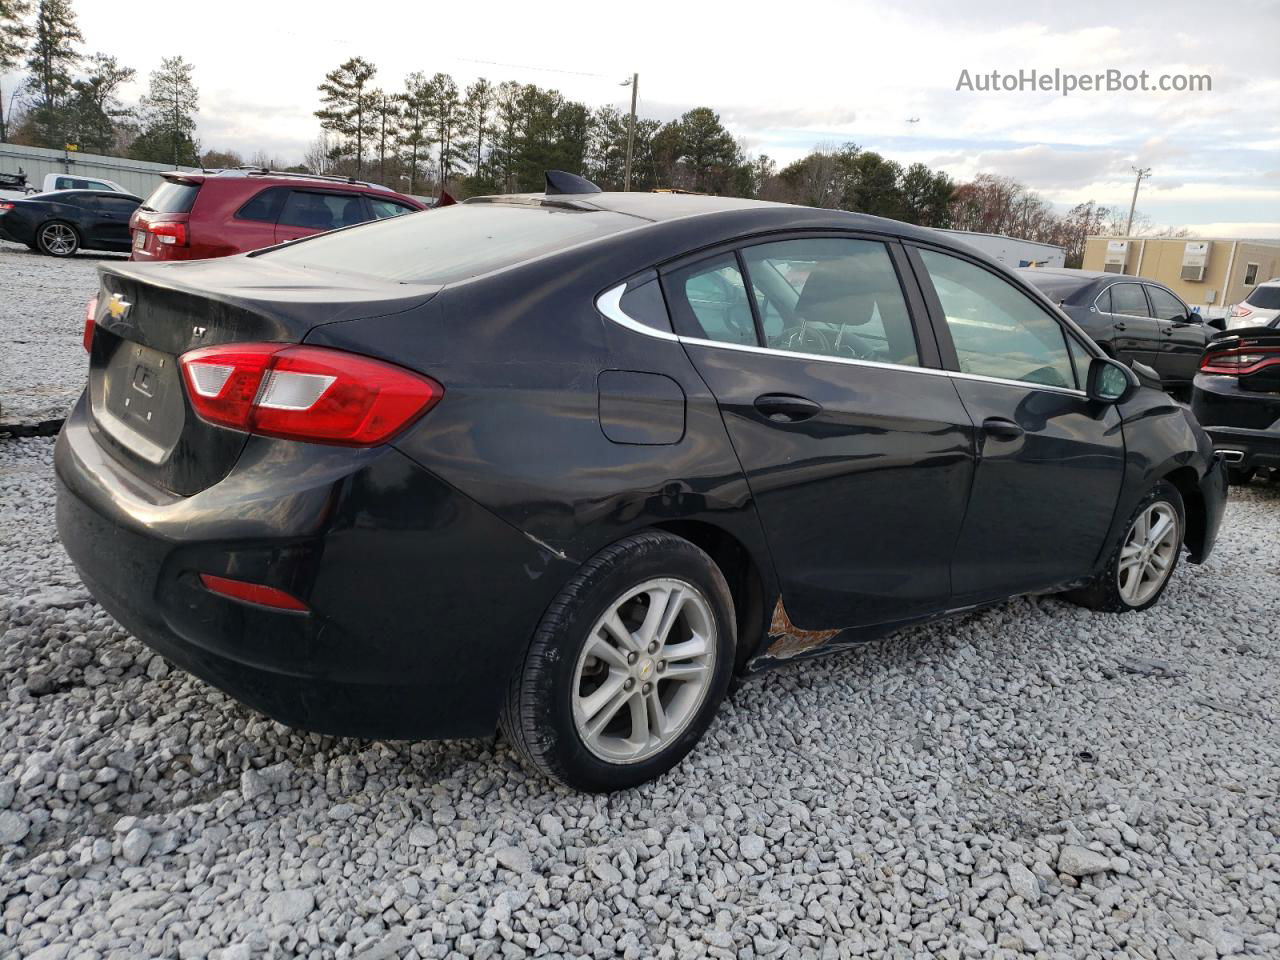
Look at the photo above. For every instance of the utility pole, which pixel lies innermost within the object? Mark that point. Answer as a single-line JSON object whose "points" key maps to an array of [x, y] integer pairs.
{"points": [[1143, 173], [634, 83]]}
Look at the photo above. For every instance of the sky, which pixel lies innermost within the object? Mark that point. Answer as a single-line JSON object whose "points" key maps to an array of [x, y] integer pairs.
{"points": [[787, 77]]}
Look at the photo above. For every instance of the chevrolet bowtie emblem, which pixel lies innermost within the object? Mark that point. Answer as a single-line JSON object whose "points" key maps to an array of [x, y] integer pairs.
{"points": [[118, 306]]}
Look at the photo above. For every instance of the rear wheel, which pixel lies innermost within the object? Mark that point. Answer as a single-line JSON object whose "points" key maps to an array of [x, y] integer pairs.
{"points": [[1143, 561], [627, 668], [57, 239]]}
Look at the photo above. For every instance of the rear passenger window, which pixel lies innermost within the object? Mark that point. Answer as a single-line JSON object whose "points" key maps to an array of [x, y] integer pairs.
{"points": [[1103, 303], [644, 304], [710, 298], [322, 211], [382, 209], [833, 297], [265, 206], [998, 331], [1128, 299]]}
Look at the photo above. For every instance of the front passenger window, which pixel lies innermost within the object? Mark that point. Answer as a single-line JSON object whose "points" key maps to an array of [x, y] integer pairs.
{"points": [[998, 331]]}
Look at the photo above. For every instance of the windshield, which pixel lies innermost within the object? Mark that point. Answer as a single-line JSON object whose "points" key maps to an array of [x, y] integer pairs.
{"points": [[172, 197], [1056, 288], [453, 243], [1267, 298]]}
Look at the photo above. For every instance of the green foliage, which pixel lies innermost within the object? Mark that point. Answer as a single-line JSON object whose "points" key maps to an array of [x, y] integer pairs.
{"points": [[51, 58], [14, 34], [95, 113], [349, 105], [168, 116]]}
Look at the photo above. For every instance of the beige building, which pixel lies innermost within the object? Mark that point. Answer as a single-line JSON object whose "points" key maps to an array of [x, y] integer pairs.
{"points": [[1211, 273]]}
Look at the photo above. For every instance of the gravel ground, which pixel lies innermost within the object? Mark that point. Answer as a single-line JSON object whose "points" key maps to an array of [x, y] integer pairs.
{"points": [[42, 365], [1032, 780]]}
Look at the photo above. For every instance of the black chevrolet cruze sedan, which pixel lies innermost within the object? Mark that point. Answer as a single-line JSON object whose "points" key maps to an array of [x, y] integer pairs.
{"points": [[566, 463]]}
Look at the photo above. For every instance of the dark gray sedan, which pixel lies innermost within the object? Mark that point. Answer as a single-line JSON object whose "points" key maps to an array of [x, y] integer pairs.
{"points": [[1131, 318]]}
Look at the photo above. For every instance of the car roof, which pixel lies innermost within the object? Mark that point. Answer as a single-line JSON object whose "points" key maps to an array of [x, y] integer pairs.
{"points": [[762, 214], [54, 194]]}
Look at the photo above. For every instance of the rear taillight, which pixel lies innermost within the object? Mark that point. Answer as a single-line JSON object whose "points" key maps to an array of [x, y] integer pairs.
{"points": [[1240, 310], [169, 233], [305, 393], [90, 313], [1240, 361], [256, 593], [5, 207]]}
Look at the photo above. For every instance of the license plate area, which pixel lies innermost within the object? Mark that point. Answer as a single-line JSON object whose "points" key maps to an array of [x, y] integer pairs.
{"points": [[138, 399], [139, 239]]}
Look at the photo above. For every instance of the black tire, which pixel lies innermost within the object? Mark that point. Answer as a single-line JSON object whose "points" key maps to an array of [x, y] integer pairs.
{"points": [[537, 717], [46, 245], [1103, 593], [1239, 477]]}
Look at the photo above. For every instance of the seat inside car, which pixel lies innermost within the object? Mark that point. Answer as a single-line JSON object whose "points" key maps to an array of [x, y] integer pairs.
{"points": [[849, 292]]}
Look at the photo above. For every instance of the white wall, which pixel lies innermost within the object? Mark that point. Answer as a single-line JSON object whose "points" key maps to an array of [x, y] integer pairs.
{"points": [[136, 176]]}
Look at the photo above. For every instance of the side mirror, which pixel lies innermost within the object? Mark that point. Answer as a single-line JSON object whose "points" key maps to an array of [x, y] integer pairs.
{"points": [[1218, 323], [1110, 381]]}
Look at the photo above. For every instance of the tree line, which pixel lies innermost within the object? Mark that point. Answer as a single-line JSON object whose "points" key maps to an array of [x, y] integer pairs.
{"points": [[429, 134], [68, 98]]}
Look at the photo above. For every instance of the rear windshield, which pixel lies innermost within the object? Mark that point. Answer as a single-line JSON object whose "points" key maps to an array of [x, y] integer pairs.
{"points": [[172, 197], [452, 243], [1268, 298], [1058, 289]]}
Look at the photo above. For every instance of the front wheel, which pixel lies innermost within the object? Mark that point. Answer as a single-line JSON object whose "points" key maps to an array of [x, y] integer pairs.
{"points": [[1141, 564], [627, 667], [57, 239]]}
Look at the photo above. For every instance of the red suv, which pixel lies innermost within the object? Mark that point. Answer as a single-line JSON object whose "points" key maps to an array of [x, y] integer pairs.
{"points": [[192, 216]]}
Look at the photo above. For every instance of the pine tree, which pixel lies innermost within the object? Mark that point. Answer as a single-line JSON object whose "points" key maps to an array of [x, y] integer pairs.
{"points": [[349, 104], [168, 114], [95, 111], [477, 120], [413, 134], [51, 59], [14, 33]]}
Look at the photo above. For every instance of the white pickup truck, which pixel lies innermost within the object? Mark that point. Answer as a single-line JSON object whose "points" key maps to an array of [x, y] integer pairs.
{"points": [[15, 186]]}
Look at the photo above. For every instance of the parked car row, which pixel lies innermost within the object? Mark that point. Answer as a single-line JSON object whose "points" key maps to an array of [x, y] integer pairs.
{"points": [[194, 216], [399, 480], [14, 186]]}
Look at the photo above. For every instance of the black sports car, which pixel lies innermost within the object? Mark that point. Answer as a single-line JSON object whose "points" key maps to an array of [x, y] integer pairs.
{"points": [[62, 222], [1237, 398], [568, 462], [1131, 318]]}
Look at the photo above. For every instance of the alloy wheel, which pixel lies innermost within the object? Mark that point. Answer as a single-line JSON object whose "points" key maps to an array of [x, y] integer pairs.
{"points": [[644, 671], [1146, 559], [59, 239]]}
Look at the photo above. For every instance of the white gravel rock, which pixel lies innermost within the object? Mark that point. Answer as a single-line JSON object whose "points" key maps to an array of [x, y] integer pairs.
{"points": [[1081, 861]]}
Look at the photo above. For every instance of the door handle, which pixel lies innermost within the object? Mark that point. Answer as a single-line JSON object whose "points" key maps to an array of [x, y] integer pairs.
{"points": [[785, 408], [1001, 429], [1119, 326]]}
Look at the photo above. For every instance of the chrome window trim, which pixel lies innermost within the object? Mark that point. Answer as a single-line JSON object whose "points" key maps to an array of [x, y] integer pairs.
{"points": [[608, 304]]}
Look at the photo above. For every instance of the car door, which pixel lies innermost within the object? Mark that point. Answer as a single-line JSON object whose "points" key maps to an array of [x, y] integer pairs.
{"points": [[855, 445], [314, 211], [1137, 333], [1049, 460], [1183, 333], [112, 220]]}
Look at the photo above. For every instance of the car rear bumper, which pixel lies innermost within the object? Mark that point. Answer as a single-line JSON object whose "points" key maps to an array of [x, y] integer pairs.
{"points": [[421, 602], [1245, 449]]}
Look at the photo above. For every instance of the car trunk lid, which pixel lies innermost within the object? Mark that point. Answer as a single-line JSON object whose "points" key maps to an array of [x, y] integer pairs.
{"points": [[147, 316]]}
